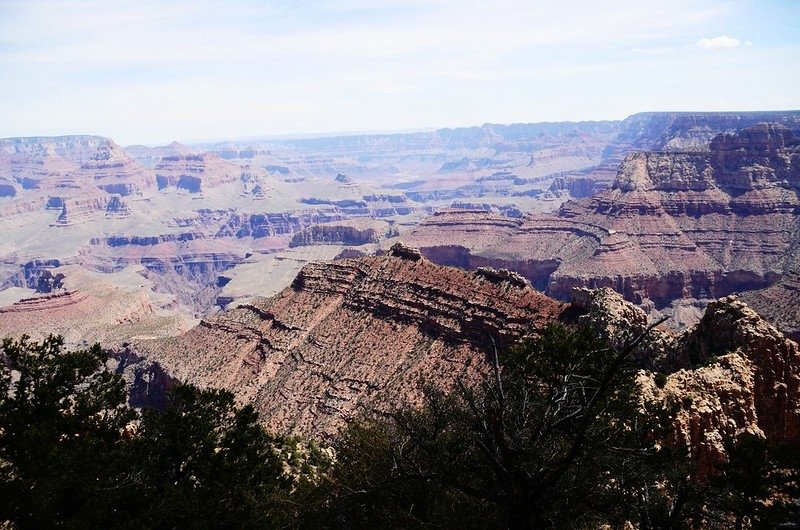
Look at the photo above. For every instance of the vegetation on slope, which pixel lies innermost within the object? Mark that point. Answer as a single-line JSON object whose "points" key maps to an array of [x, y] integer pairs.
{"points": [[555, 436]]}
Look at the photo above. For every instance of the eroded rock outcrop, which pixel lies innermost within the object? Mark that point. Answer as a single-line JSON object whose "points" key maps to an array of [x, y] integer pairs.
{"points": [[675, 225], [742, 376], [65, 162], [86, 307], [353, 232], [732, 374], [195, 172], [353, 335]]}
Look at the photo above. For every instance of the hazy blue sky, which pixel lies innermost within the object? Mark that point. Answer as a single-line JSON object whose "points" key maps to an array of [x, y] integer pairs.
{"points": [[146, 71]]}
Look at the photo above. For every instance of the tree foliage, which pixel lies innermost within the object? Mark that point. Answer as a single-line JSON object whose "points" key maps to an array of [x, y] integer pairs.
{"points": [[60, 421], [554, 436], [68, 456]]}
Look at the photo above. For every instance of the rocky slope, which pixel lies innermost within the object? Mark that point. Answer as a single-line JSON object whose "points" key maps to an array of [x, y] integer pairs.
{"points": [[779, 303], [357, 335], [86, 307], [351, 335], [353, 232], [674, 225]]}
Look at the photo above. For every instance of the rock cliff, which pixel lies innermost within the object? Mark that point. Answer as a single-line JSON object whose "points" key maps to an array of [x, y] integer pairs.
{"points": [[195, 172], [352, 335], [731, 374], [674, 225], [354, 232], [361, 334]]}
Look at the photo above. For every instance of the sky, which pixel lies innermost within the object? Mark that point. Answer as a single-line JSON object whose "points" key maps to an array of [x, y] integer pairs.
{"points": [[153, 71]]}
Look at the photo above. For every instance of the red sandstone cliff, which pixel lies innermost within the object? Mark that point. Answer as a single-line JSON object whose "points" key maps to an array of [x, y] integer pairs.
{"points": [[361, 334], [675, 225], [354, 334]]}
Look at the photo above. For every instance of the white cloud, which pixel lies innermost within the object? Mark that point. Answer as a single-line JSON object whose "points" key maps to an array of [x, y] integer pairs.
{"points": [[719, 43]]}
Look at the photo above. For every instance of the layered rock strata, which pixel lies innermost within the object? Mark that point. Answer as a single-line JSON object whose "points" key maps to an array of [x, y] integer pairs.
{"points": [[353, 335], [675, 225], [195, 172], [359, 335], [353, 232]]}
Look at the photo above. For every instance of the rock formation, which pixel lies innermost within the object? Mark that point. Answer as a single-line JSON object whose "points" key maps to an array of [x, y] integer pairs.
{"points": [[351, 335], [674, 225], [732, 374], [72, 161], [742, 376], [354, 232], [779, 303], [671, 228], [194, 173], [357, 335]]}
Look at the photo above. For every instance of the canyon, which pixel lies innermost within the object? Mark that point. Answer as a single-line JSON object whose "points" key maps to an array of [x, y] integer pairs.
{"points": [[676, 227], [193, 218], [315, 277]]}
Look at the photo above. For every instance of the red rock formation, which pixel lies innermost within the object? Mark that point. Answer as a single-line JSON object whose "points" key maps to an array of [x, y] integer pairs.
{"points": [[86, 308], [351, 335], [675, 225], [112, 170], [356, 335], [195, 173], [576, 187]]}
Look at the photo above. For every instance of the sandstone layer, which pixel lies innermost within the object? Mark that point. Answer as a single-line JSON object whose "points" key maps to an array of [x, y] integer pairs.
{"points": [[674, 225], [353, 335]]}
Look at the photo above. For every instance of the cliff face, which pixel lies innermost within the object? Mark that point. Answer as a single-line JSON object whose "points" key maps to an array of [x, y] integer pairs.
{"points": [[675, 225], [749, 382], [353, 335], [361, 334], [195, 172], [350, 232], [680, 132]]}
